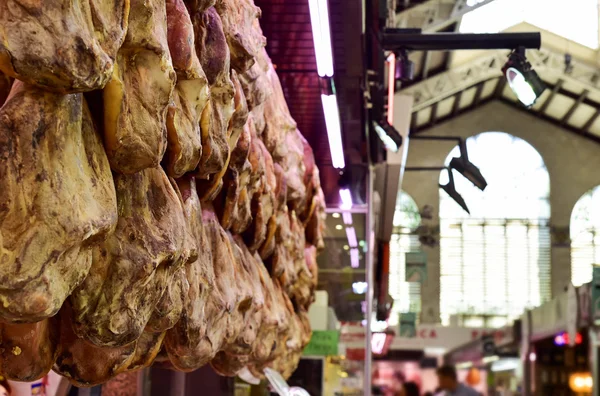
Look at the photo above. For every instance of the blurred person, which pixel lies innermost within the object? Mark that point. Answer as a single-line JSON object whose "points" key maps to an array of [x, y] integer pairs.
{"points": [[500, 389], [396, 387], [4, 388], [448, 381], [411, 389]]}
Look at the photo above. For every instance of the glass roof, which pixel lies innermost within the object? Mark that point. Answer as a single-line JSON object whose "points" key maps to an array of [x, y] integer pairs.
{"points": [[575, 20]]}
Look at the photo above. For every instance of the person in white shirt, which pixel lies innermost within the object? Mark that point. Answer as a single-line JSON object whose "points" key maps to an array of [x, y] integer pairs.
{"points": [[448, 382]]}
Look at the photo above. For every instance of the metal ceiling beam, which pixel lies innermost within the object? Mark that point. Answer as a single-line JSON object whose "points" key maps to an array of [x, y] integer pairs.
{"points": [[425, 64], [478, 92], [455, 111], [551, 120], [433, 114], [456, 104], [548, 64], [553, 93], [580, 132], [435, 15], [590, 121], [500, 87], [580, 99], [402, 39]]}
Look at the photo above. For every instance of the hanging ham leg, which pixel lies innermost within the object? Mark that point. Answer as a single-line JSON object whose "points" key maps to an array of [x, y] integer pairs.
{"points": [[56, 199], [61, 45], [131, 270], [214, 55], [137, 96], [190, 97], [28, 351], [244, 36]]}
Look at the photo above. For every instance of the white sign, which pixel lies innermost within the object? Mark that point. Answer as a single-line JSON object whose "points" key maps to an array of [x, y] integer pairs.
{"points": [[352, 335], [550, 318]]}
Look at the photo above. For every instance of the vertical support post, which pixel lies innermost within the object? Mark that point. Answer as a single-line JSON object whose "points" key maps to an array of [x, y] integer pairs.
{"points": [[593, 359], [370, 278], [526, 327]]}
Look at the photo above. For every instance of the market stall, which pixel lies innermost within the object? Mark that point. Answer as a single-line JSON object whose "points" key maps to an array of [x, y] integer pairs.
{"points": [[559, 344]]}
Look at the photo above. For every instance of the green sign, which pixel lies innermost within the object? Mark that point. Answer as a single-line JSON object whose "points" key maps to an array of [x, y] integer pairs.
{"points": [[408, 325], [416, 267], [596, 295], [323, 343]]}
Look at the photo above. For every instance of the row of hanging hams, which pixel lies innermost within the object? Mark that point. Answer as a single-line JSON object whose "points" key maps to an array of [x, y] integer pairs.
{"points": [[158, 204]]}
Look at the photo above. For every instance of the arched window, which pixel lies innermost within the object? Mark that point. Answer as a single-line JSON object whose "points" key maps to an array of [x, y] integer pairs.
{"points": [[496, 261], [407, 296], [585, 237]]}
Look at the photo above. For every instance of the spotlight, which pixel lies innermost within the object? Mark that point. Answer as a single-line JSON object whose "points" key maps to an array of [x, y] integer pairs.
{"points": [[390, 137], [450, 189], [405, 68], [466, 167], [522, 79]]}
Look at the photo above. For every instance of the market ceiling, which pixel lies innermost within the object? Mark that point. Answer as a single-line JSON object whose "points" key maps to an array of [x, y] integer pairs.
{"points": [[448, 84]]}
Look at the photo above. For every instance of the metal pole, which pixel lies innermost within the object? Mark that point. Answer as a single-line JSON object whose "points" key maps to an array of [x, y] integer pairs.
{"points": [[362, 209], [593, 359], [370, 282], [424, 168], [526, 327], [433, 137], [396, 39]]}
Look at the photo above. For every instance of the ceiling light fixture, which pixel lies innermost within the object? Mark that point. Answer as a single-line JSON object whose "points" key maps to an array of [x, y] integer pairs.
{"points": [[522, 79], [334, 130], [319, 20], [405, 68], [346, 198], [354, 258], [335, 215], [359, 287], [466, 167], [450, 189], [391, 138], [351, 235], [347, 218], [391, 59]]}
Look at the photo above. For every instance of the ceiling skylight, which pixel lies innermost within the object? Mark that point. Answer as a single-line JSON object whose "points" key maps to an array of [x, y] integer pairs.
{"points": [[575, 20]]}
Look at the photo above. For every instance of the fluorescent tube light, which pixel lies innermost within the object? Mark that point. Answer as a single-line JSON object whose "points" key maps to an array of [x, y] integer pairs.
{"points": [[347, 216], [378, 342], [354, 258], [319, 20], [391, 88], [359, 287], [490, 359], [334, 130], [351, 234], [346, 198]]}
